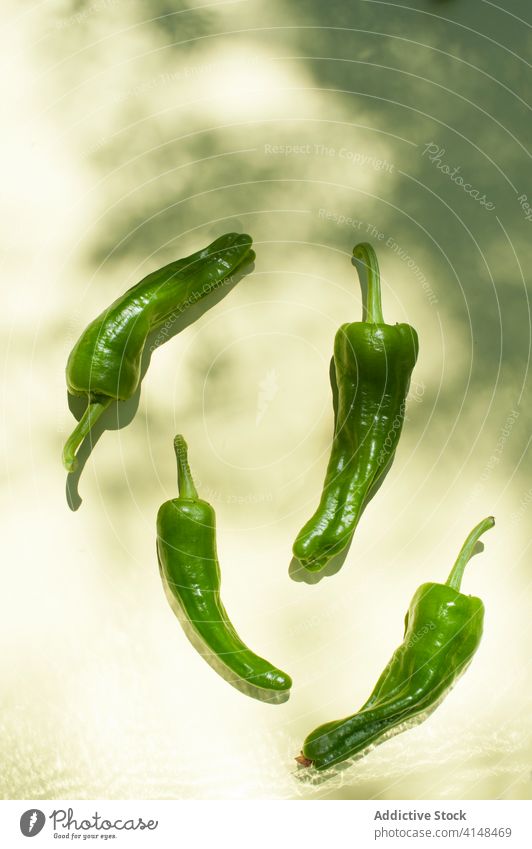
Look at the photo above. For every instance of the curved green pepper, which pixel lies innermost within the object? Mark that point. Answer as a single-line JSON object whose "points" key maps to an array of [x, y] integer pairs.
{"points": [[105, 363], [188, 562], [443, 628], [370, 377]]}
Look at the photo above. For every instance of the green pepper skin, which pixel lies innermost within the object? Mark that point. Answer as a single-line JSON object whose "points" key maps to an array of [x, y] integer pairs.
{"points": [[188, 562], [105, 363], [373, 363], [443, 629]]}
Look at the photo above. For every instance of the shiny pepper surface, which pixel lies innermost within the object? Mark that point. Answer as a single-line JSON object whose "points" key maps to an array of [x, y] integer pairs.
{"points": [[105, 363], [443, 628], [188, 562], [370, 377]]}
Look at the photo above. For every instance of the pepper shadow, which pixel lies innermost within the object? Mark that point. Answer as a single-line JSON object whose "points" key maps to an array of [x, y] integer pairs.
{"points": [[300, 574], [119, 414]]}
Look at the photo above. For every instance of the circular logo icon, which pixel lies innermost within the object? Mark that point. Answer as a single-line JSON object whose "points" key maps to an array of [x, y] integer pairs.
{"points": [[32, 822]]}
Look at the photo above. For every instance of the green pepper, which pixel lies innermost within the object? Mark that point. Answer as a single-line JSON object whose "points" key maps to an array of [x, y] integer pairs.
{"points": [[443, 628], [105, 363], [188, 562], [370, 377]]}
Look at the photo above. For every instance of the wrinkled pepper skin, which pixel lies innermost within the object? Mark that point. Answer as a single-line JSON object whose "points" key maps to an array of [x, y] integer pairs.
{"points": [[370, 376], [188, 562], [443, 629], [105, 363]]}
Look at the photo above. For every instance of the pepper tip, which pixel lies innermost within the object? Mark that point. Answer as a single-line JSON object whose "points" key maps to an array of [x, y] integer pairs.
{"points": [[179, 443], [70, 463]]}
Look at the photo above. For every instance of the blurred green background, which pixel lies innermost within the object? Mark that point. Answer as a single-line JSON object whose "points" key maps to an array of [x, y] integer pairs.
{"points": [[136, 133]]}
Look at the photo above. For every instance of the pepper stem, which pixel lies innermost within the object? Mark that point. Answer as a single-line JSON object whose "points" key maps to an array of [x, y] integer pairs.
{"points": [[372, 311], [86, 423], [185, 481], [466, 553]]}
